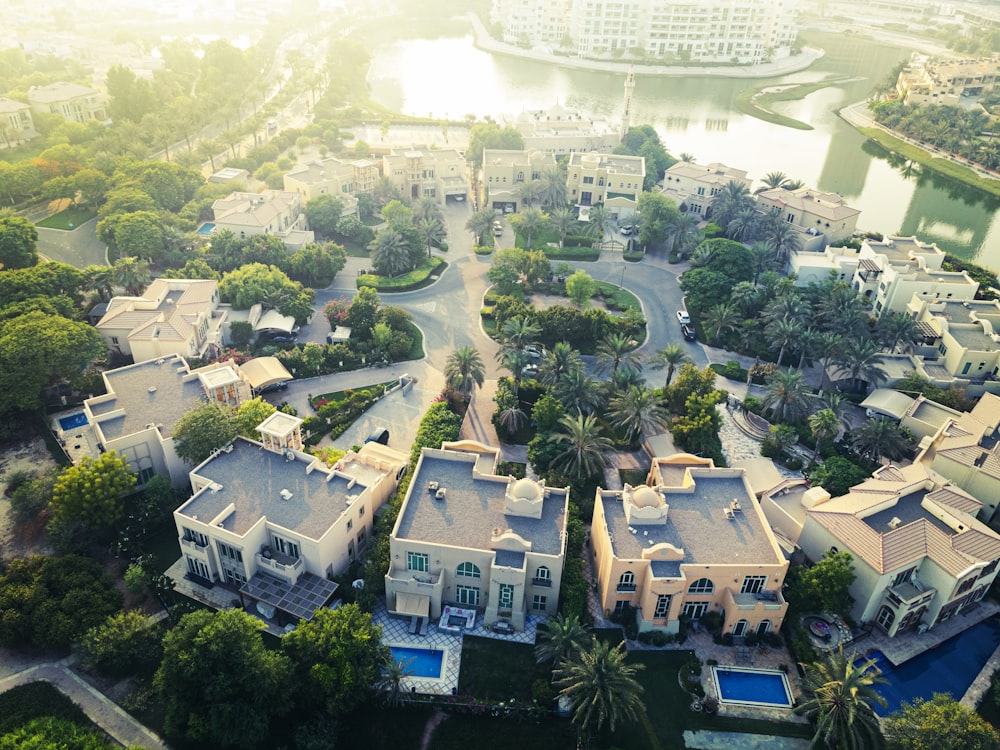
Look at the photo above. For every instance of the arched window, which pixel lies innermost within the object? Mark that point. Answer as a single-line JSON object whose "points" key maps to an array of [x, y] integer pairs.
{"points": [[764, 627], [627, 581], [740, 628], [467, 570], [885, 618], [701, 586], [543, 576]]}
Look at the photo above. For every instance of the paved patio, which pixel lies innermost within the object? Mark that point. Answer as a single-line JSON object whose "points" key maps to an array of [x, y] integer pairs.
{"points": [[706, 740]]}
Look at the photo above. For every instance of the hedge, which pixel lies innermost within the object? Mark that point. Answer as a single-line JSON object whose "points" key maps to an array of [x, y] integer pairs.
{"points": [[572, 253], [426, 273]]}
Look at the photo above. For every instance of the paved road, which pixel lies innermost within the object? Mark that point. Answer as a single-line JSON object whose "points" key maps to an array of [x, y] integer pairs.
{"points": [[79, 248]]}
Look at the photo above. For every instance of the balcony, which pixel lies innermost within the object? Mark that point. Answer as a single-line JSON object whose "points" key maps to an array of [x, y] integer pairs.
{"points": [[543, 582], [766, 600], [194, 545], [283, 566], [625, 588], [907, 595]]}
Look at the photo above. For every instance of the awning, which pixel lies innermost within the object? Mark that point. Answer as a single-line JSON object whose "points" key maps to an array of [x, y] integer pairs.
{"points": [[273, 320], [889, 402], [264, 371], [417, 605], [301, 600]]}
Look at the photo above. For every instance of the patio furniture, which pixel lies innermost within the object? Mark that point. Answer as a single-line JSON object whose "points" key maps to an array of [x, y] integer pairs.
{"points": [[820, 629], [504, 627]]}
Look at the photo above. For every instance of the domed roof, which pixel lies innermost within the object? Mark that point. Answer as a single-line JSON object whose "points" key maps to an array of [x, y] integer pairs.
{"points": [[645, 497], [525, 489]]}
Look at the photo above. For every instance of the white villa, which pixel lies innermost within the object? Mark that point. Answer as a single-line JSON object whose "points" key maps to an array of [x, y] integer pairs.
{"points": [[271, 212]]}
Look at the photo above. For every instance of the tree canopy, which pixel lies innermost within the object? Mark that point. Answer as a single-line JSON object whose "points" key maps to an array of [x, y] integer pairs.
{"points": [[92, 491], [824, 587], [18, 238], [256, 283], [942, 723], [203, 430]]}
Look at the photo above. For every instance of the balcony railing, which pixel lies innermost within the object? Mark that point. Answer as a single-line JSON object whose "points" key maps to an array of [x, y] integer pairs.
{"points": [[626, 588], [544, 582], [288, 568], [193, 544]]}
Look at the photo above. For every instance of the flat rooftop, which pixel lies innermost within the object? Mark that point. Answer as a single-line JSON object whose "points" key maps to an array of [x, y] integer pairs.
{"points": [[697, 523], [907, 509], [472, 508], [252, 478]]}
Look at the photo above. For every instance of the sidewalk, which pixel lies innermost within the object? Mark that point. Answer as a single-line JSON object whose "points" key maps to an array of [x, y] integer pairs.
{"points": [[104, 713]]}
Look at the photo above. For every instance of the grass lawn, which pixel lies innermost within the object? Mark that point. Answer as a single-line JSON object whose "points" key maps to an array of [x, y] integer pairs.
{"points": [[620, 299], [338, 395], [757, 102], [464, 732], [70, 218], [634, 477], [24, 703], [417, 348], [497, 670]]}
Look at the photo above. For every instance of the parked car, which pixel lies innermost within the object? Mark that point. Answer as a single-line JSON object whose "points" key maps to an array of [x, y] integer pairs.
{"points": [[280, 386], [688, 331], [497, 229], [380, 436], [626, 231], [683, 318], [535, 351]]}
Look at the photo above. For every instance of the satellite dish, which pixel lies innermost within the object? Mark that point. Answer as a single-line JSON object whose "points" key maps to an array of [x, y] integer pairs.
{"points": [[358, 583]]}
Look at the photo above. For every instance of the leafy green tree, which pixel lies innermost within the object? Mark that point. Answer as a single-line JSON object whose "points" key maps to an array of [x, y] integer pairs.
{"points": [[323, 213], [256, 283], [601, 687], [240, 333], [49, 602], [140, 234], [658, 213], [547, 412], [942, 723], [837, 475], [464, 371], [18, 238], [584, 448], [202, 431], [839, 697], [689, 380], [362, 314], [92, 491], [825, 586], [123, 644], [251, 413], [337, 657], [696, 428], [219, 684], [317, 265], [29, 499], [580, 287], [489, 135], [563, 636]]}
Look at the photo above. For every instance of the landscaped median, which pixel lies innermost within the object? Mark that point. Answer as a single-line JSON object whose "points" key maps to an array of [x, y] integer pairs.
{"points": [[424, 274]]}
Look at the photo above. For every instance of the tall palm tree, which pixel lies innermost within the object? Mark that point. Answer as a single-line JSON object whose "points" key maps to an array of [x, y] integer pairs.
{"points": [[729, 201], [828, 345], [480, 223], [529, 193], [743, 226], [788, 396], [390, 253], [764, 259], [516, 360], [529, 221], [636, 411], [842, 309], [562, 220], [553, 186], [782, 237], [517, 333], [560, 360], [840, 697], [100, 279], [577, 392], [600, 220], [131, 273], [585, 452], [390, 683], [601, 687], [670, 358], [427, 208], [627, 376], [719, 318], [562, 637], [744, 296], [614, 350], [807, 344], [771, 181], [432, 230], [882, 438], [861, 360], [683, 234], [787, 306], [824, 425], [464, 371], [686, 156], [783, 333], [894, 327]]}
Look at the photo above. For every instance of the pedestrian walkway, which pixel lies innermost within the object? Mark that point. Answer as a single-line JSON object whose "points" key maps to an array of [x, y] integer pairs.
{"points": [[706, 740], [102, 711]]}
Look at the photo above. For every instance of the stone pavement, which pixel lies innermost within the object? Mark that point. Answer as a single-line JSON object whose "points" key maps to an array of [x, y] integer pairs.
{"points": [[706, 740], [102, 711]]}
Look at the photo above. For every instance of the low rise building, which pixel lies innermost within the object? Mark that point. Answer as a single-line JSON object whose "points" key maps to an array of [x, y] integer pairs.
{"points": [[947, 82], [505, 171], [694, 186], [693, 542], [959, 342], [611, 179], [811, 211], [344, 180], [273, 212], [70, 101], [470, 538], [561, 131], [275, 524], [172, 316], [16, 125], [427, 173]]}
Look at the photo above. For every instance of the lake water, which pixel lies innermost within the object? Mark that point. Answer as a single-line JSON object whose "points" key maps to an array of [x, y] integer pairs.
{"points": [[449, 78]]}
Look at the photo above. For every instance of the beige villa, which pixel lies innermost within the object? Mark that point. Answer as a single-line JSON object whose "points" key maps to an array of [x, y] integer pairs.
{"points": [[813, 212], [469, 538], [692, 542], [694, 186], [612, 179]]}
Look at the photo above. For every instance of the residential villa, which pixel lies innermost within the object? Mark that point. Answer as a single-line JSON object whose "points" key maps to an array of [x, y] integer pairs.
{"points": [[344, 180], [172, 316], [612, 179], [16, 125], [693, 186], [427, 173], [470, 538], [270, 212], [505, 171], [958, 342], [919, 415], [144, 402], [70, 101], [920, 554], [813, 212], [692, 542], [560, 131], [946, 82], [275, 523]]}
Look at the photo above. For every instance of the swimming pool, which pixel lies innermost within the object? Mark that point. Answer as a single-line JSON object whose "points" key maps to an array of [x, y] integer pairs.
{"points": [[419, 662], [949, 668], [73, 421], [752, 687], [206, 228]]}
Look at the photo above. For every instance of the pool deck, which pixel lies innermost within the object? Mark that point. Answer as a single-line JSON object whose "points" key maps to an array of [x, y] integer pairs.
{"points": [[706, 740]]}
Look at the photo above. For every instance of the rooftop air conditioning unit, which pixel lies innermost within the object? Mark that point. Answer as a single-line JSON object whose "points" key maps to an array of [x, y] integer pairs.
{"points": [[151, 389], [895, 522], [286, 495], [440, 494]]}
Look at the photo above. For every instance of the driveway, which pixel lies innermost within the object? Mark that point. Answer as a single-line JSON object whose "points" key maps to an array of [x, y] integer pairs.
{"points": [[79, 248]]}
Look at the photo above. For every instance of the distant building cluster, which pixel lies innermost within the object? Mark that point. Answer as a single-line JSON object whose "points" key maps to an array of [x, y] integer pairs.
{"points": [[947, 82]]}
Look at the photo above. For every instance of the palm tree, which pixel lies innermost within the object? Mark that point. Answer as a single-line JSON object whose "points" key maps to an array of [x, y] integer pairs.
{"points": [[683, 234], [787, 397], [729, 201], [744, 296], [577, 392], [771, 181], [788, 306], [627, 376], [529, 193], [882, 438], [561, 360], [636, 410], [512, 418], [100, 279], [824, 425], [614, 350], [703, 256], [782, 333], [670, 357], [719, 318], [743, 226], [894, 327], [562, 220], [840, 696], [427, 208], [131, 273], [553, 186], [516, 360], [390, 253], [686, 156], [601, 687], [600, 220], [807, 344], [432, 230], [782, 237], [464, 371], [586, 449], [860, 359], [562, 637], [842, 309], [390, 683], [516, 334], [480, 223], [764, 259], [828, 345], [528, 221]]}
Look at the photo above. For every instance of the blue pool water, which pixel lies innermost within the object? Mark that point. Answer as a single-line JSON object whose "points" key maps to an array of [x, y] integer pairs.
{"points": [[206, 228], [419, 662], [949, 668], [755, 687], [73, 421]]}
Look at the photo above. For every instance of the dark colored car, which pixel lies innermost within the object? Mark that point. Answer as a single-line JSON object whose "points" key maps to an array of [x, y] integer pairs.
{"points": [[689, 334], [280, 386], [379, 436]]}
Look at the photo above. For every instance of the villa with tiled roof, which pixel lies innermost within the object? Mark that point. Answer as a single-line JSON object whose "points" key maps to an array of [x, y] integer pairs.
{"points": [[695, 541], [273, 212], [811, 211], [694, 186], [959, 342]]}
